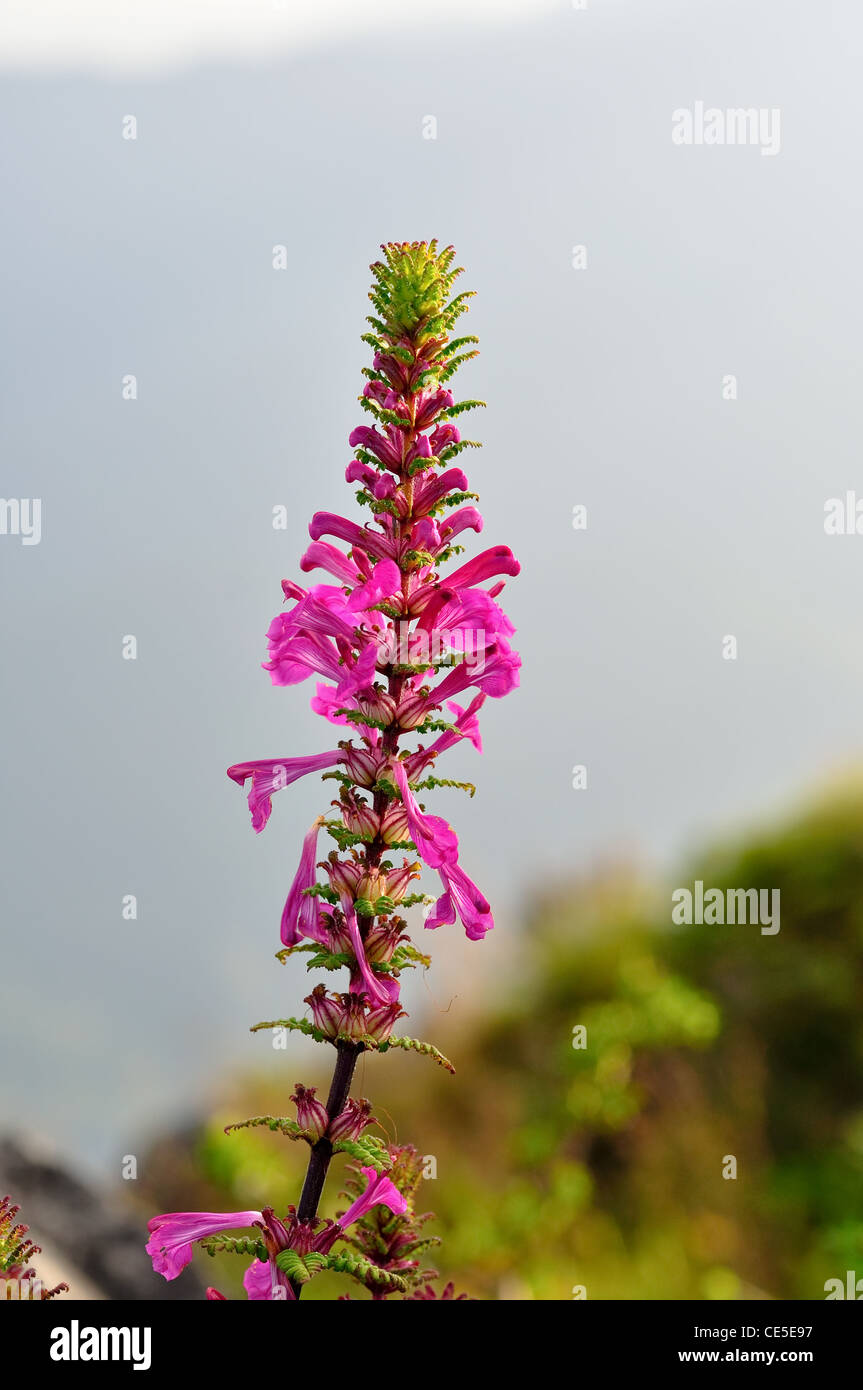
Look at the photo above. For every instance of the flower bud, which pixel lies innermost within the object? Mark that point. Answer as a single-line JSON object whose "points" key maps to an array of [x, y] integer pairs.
{"points": [[380, 1020], [359, 818], [363, 765], [394, 824], [377, 705], [326, 1010], [312, 1117], [339, 937], [382, 940], [398, 880], [413, 710], [344, 874], [372, 885], [353, 1020], [356, 1116]]}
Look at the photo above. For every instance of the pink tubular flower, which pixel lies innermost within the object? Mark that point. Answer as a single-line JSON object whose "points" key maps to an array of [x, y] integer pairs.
{"points": [[435, 839], [434, 488], [327, 1012], [352, 1120], [312, 1116], [381, 1021], [269, 775], [381, 1192], [465, 519], [461, 896], [172, 1235], [300, 913], [328, 524], [380, 989], [498, 560], [497, 675], [388, 449], [385, 579], [322, 555], [264, 1281]]}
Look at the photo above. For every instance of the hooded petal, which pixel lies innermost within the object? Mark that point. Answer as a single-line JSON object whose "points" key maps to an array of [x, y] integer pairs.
{"points": [[269, 775], [322, 555], [461, 896], [498, 560], [380, 1192], [386, 579], [300, 913], [263, 1280], [496, 674], [435, 839], [379, 989], [171, 1235], [329, 524]]}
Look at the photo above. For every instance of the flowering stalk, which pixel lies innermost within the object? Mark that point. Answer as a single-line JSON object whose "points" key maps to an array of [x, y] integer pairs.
{"points": [[392, 643]]}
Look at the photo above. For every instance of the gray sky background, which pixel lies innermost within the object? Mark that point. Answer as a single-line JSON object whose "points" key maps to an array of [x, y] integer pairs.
{"points": [[154, 257]]}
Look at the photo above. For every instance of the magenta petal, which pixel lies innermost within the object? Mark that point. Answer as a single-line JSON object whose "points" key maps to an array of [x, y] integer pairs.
{"points": [[172, 1235], [322, 555], [374, 987], [381, 1192], [462, 896], [329, 524], [442, 914], [435, 839], [498, 560], [269, 775], [300, 913], [386, 579], [264, 1281]]}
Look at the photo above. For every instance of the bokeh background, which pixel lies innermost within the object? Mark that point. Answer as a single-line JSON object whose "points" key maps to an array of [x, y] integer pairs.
{"points": [[267, 125]]}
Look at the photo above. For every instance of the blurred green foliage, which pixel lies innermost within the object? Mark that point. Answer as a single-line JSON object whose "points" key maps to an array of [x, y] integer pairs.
{"points": [[562, 1166]]}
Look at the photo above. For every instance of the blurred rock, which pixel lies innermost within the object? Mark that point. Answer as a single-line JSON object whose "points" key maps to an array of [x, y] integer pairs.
{"points": [[89, 1238]]}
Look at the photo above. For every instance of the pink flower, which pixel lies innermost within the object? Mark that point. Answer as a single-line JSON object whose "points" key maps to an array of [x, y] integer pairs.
{"points": [[312, 1116], [269, 775], [329, 524], [435, 839], [386, 579], [381, 1192], [300, 913], [264, 1281], [461, 896], [436, 486], [381, 989], [497, 675], [322, 555], [171, 1235], [498, 560]]}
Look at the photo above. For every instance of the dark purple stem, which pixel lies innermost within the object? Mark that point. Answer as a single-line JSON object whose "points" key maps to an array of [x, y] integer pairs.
{"points": [[322, 1151]]}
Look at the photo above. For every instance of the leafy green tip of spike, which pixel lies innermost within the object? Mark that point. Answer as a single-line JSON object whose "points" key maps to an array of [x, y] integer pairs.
{"points": [[301, 1268], [234, 1245], [368, 1151], [414, 1045], [297, 1025], [281, 1123], [411, 289], [371, 1275]]}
